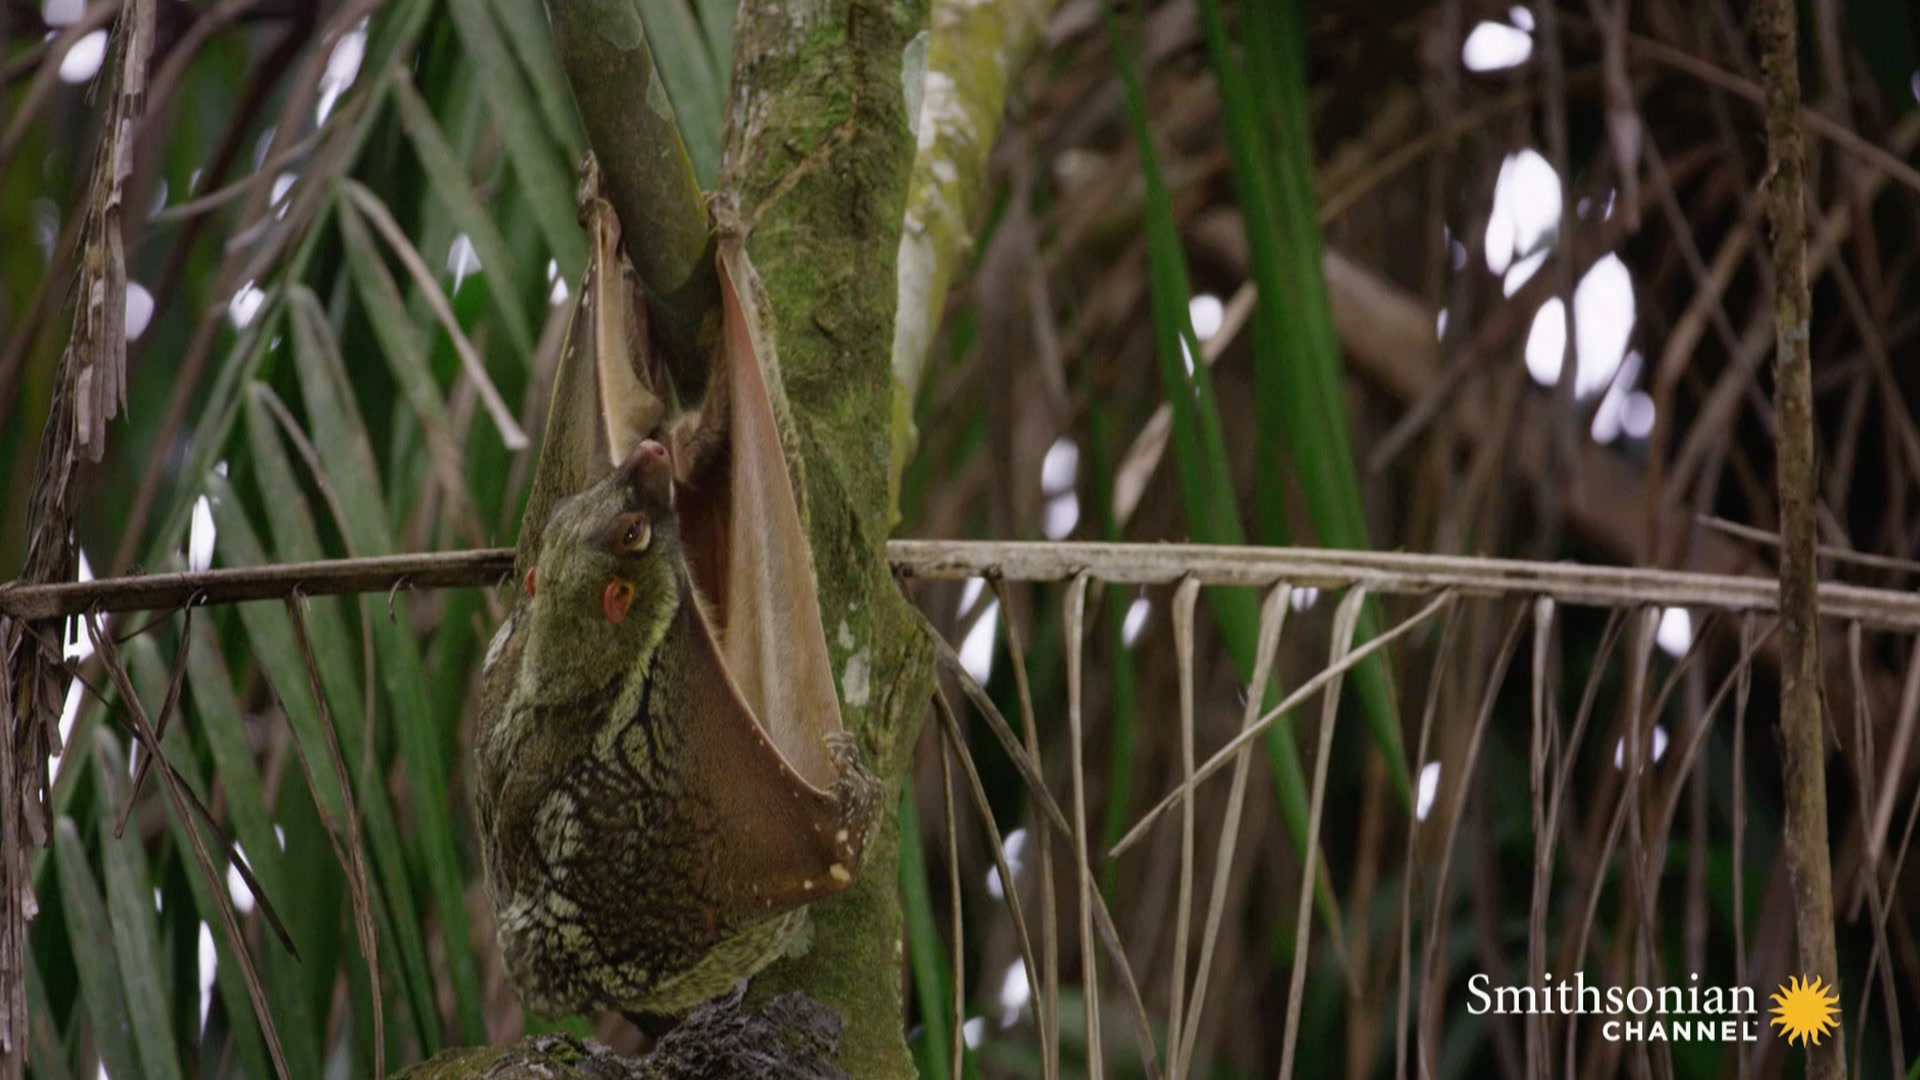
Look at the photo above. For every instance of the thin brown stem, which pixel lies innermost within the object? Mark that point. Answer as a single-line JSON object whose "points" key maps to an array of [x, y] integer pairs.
{"points": [[1802, 728]]}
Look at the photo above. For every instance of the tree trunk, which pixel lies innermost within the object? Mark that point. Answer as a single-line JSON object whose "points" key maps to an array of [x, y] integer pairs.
{"points": [[818, 154], [818, 157]]}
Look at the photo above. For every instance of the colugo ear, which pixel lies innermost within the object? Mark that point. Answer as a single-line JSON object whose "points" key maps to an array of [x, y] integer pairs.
{"points": [[615, 599]]}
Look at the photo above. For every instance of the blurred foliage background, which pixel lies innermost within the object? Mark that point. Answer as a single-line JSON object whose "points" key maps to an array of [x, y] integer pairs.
{"points": [[1244, 272]]}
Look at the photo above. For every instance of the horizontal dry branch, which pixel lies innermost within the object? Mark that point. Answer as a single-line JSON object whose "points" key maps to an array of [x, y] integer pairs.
{"points": [[1390, 573], [1387, 572], [331, 577]]}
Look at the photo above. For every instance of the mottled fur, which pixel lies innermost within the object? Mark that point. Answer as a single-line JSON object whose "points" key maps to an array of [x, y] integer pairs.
{"points": [[613, 856]]}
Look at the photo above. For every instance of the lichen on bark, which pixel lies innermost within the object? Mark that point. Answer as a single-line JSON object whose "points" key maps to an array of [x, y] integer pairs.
{"points": [[971, 56]]}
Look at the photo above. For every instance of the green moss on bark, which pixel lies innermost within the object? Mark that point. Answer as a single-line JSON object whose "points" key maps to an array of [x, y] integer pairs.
{"points": [[972, 56], [819, 153], [818, 159]]}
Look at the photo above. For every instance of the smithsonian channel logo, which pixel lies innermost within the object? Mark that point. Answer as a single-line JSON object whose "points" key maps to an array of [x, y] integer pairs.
{"points": [[1803, 1010]]}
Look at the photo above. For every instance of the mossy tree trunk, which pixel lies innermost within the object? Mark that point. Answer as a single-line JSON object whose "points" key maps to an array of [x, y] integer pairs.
{"points": [[819, 154]]}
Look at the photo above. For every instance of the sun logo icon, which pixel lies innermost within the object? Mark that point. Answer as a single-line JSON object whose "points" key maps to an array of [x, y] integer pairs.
{"points": [[1806, 1010]]}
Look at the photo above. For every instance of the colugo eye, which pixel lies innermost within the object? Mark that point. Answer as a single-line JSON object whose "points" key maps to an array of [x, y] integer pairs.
{"points": [[632, 534]]}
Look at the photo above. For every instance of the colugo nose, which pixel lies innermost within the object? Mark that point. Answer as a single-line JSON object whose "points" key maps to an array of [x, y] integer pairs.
{"points": [[649, 470]]}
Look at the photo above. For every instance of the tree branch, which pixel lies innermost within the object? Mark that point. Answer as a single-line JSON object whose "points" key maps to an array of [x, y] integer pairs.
{"points": [[971, 56], [1803, 744], [1390, 573], [630, 124], [818, 156], [332, 577]]}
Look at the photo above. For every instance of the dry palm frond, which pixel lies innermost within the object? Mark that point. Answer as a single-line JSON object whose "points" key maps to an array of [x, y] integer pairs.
{"points": [[1608, 785], [1605, 791]]}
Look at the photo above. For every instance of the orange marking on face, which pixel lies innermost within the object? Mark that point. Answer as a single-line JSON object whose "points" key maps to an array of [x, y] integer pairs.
{"points": [[615, 601]]}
